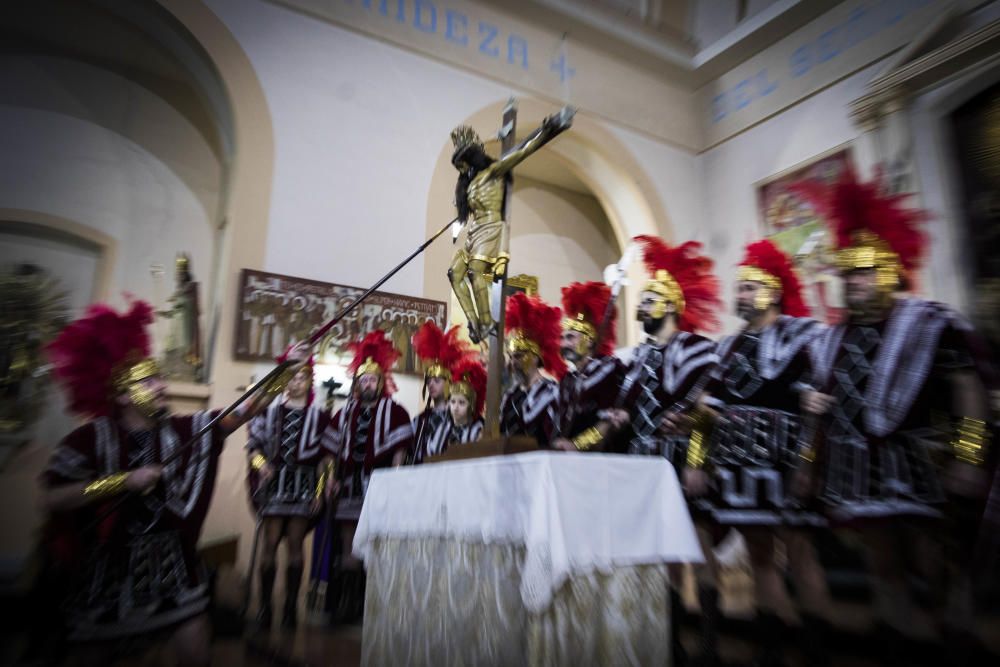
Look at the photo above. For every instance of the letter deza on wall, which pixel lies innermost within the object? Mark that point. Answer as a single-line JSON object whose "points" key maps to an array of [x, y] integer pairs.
{"points": [[516, 52]]}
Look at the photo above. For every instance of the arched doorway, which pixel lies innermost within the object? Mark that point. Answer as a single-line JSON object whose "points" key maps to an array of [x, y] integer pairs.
{"points": [[144, 124], [575, 206]]}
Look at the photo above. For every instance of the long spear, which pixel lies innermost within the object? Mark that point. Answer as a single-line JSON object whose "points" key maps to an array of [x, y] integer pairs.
{"points": [[313, 339], [614, 275]]}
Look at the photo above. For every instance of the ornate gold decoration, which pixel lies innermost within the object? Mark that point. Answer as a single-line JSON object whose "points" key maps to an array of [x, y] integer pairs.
{"points": [[144, 399], [697, 452], [580, 323], [518, 342], [279, 382], [135, 372], [587, 439], [325, 475], [969, 442], [753, 274], [868, 251], [522, 281], [664, 284], [106, 486], [369, 367], [257, 461], [463, 388], [437, 371]]}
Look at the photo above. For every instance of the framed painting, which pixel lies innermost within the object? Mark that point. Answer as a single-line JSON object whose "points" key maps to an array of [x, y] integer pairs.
{"points": [[793, 224], [276, 311]]}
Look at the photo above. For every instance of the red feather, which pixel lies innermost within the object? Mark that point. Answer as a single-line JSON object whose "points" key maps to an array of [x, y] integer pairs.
{"points": [[850, 205], [767, 256], [471, 370], [382, 352], [541, 323], [87, 353], [434, 346], [591, 299], [693, 272]]}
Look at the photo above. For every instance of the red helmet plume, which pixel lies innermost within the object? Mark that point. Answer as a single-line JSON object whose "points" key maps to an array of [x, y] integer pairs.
{"points": [[853, 208], [691, 272], [469, 379], [91, 352], [767, 257], [374, 354], [440, 350], [532, 320], [584, 305]]}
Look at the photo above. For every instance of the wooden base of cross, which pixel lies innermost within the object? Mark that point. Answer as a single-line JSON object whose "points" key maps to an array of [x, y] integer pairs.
{"points": [[500, 446], [498, 301]]}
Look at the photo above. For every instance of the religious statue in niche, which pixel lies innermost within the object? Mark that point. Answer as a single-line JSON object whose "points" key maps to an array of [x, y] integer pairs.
{"points": [[32, 312], [480, 197], [182, 354]]}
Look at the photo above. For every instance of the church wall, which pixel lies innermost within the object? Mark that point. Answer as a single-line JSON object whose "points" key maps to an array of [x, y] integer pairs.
{"points": [[96, 200], [730, 170], [913, 134], [67, 154], [360, 126]]}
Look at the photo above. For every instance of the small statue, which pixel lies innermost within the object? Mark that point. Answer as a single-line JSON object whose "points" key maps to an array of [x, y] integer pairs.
{"points": [[182, 356], [480, 195]]}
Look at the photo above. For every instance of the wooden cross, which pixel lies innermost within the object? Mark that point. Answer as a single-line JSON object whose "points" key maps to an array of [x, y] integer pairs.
{"points": [[495, 367]]}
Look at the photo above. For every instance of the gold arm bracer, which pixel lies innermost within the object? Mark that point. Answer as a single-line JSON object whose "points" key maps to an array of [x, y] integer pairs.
{"points": [[697, 452], [586, 440], [257, 461], [969, 441], [104, 487]]}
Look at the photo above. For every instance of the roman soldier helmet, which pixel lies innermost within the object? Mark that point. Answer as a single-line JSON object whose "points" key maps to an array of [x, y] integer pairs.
{"points": [[468, 379], [765, 263], [439, 350], [681, 275], [584, 305], [374, 355], [533, 326], [871, 230], [103, 354]]}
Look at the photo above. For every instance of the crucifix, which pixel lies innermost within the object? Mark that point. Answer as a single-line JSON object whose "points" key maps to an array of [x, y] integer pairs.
{"points": [[478, 271]]}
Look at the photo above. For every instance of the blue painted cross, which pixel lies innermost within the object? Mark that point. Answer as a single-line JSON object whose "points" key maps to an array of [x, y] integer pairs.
{"points": [[561, 66]]}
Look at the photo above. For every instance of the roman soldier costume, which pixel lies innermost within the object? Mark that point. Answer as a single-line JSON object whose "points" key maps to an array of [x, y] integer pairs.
{"points": [[533, 328]]}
